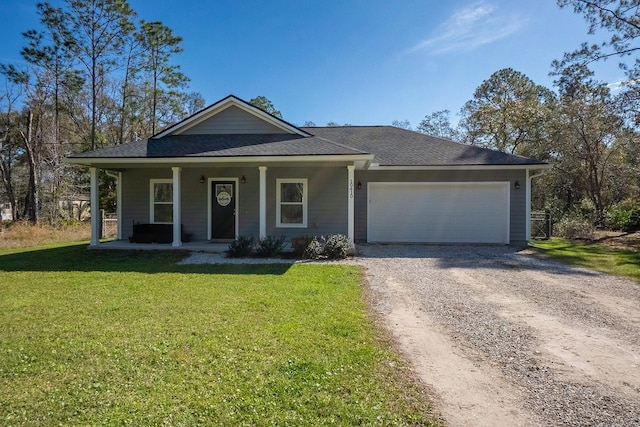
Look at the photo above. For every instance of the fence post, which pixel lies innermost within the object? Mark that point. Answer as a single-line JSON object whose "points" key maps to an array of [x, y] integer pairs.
{"points": [[547, 218], [102, 224]]}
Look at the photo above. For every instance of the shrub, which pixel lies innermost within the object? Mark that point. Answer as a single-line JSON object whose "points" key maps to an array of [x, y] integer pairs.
{"points": [[624, 216], [241, 247], [584, 209], [574, 228], [314, 250], [270, 246], [337, 246]]}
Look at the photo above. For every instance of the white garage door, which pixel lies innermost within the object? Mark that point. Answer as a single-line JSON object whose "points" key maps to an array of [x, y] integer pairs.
{"points": [[456, 212]]}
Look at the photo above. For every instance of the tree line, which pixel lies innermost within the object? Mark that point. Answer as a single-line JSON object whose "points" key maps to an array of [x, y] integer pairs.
{"points": [[588, 132], [95, 74]]}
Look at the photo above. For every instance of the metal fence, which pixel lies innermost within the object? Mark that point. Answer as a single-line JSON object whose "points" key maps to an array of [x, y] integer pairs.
{"points": [[540, 225], [109, 225]]}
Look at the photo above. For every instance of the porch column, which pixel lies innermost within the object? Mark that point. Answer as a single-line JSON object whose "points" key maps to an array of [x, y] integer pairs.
{"points": [[263, 201], [350, 203], [95, 208], [177, 221], [119, 204]]}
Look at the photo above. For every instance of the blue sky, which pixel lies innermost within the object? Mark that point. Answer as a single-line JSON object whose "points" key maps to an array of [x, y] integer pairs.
{"points": [[359, 62]]}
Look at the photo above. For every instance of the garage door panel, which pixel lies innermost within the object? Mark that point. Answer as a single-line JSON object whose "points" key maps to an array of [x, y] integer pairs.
{"points": [[439, 212]]}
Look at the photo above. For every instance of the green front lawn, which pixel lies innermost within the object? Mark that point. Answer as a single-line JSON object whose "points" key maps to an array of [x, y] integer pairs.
{"points": [[100, 337], [619, 262]]}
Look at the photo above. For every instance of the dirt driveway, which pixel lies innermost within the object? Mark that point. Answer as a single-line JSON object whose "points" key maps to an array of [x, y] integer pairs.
{"points": [[501, 337]]}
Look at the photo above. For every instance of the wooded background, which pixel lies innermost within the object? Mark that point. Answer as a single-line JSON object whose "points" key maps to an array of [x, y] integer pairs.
{"points": [[98, 75]]}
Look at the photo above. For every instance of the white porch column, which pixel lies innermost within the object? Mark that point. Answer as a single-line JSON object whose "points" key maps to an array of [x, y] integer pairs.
{"points": [[119, 204], [350, 203], [263, 201], [95, 208], [177, 220]]}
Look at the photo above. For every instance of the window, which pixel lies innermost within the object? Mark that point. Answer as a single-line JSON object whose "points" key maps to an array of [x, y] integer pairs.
{"points": [[161, 201], [291, 199]]}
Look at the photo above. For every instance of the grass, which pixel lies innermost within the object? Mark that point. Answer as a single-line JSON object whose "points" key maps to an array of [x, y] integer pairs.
{"points": [[25, 235], [618, 262], [114, 338]]}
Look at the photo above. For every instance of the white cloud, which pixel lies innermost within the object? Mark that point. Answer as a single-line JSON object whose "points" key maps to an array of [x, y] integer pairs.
{"points": [[470, 27], [619, 85]]}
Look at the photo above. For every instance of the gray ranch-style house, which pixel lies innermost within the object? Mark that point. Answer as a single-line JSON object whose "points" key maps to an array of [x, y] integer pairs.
{"points": [[234, 170]]}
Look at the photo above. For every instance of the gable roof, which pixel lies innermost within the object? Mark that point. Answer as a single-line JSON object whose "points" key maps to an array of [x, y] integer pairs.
{"points": [[394, 146], [268, 138], [223, 104]]}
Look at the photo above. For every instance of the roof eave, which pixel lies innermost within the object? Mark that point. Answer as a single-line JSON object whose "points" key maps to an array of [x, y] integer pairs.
{"points": [[97, 161], [533, 166]]}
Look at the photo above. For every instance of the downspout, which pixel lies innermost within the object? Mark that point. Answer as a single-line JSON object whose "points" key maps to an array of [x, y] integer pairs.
{"points": [[528, 203]]}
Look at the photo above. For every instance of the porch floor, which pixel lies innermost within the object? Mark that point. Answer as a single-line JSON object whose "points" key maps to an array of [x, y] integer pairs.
{"points": [[198, 246]]}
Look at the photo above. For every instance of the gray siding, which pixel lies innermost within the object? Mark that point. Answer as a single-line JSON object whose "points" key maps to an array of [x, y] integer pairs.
{"points": [[233, 120], [518, 197], [327, 199], [135, 196]]}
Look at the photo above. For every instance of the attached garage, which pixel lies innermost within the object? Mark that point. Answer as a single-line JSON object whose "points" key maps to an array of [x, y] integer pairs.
{"points": [[438, 212]]}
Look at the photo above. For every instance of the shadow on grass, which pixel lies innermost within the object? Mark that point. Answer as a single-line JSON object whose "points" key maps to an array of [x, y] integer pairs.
{"points": [[492, 257], [76, 257], [621, 262]]}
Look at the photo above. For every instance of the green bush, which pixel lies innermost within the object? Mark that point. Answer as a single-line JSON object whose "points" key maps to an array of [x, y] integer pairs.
{"points": [[624, 216], [335, 246], [585, 210], [314, 250], [241, 247], [574, 228], [269, 246]]}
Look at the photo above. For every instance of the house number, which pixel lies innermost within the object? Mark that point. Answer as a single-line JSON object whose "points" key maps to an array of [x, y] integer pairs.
{"points": [[351, 189]]}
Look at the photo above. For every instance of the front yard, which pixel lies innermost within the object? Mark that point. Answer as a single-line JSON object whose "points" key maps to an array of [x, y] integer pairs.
{"points": [[619, 257], [93, 337]]}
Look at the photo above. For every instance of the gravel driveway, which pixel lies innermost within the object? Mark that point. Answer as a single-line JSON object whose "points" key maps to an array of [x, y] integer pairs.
{"points": [[504, 338]]}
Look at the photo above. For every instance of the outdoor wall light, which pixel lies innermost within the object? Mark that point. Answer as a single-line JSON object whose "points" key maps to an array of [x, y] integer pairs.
{"points": [[359, 185], [517, 185], [243, 179], [201, 179]]}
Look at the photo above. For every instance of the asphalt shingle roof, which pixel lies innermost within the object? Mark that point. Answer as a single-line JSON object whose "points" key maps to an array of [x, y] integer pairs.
{"points": [[393, 146], [232, 145], [390, 146]]}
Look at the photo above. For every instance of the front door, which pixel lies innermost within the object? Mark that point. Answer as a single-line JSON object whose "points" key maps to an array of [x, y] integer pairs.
{"points": [[223, 210]]}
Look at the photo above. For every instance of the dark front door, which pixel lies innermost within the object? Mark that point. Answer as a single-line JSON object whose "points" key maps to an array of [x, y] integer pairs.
{"points": [[223, 210]]}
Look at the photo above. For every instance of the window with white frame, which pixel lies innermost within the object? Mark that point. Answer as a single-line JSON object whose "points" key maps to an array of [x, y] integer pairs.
{"points": [[291, 202], [161, 201]]}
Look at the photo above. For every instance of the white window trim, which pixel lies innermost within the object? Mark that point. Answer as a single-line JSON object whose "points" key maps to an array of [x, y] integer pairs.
{"points": [[305, 198], [152, 202]]}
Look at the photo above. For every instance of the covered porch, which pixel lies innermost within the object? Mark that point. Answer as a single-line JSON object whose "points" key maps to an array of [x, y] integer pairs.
{"points": [[255, 200]]}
